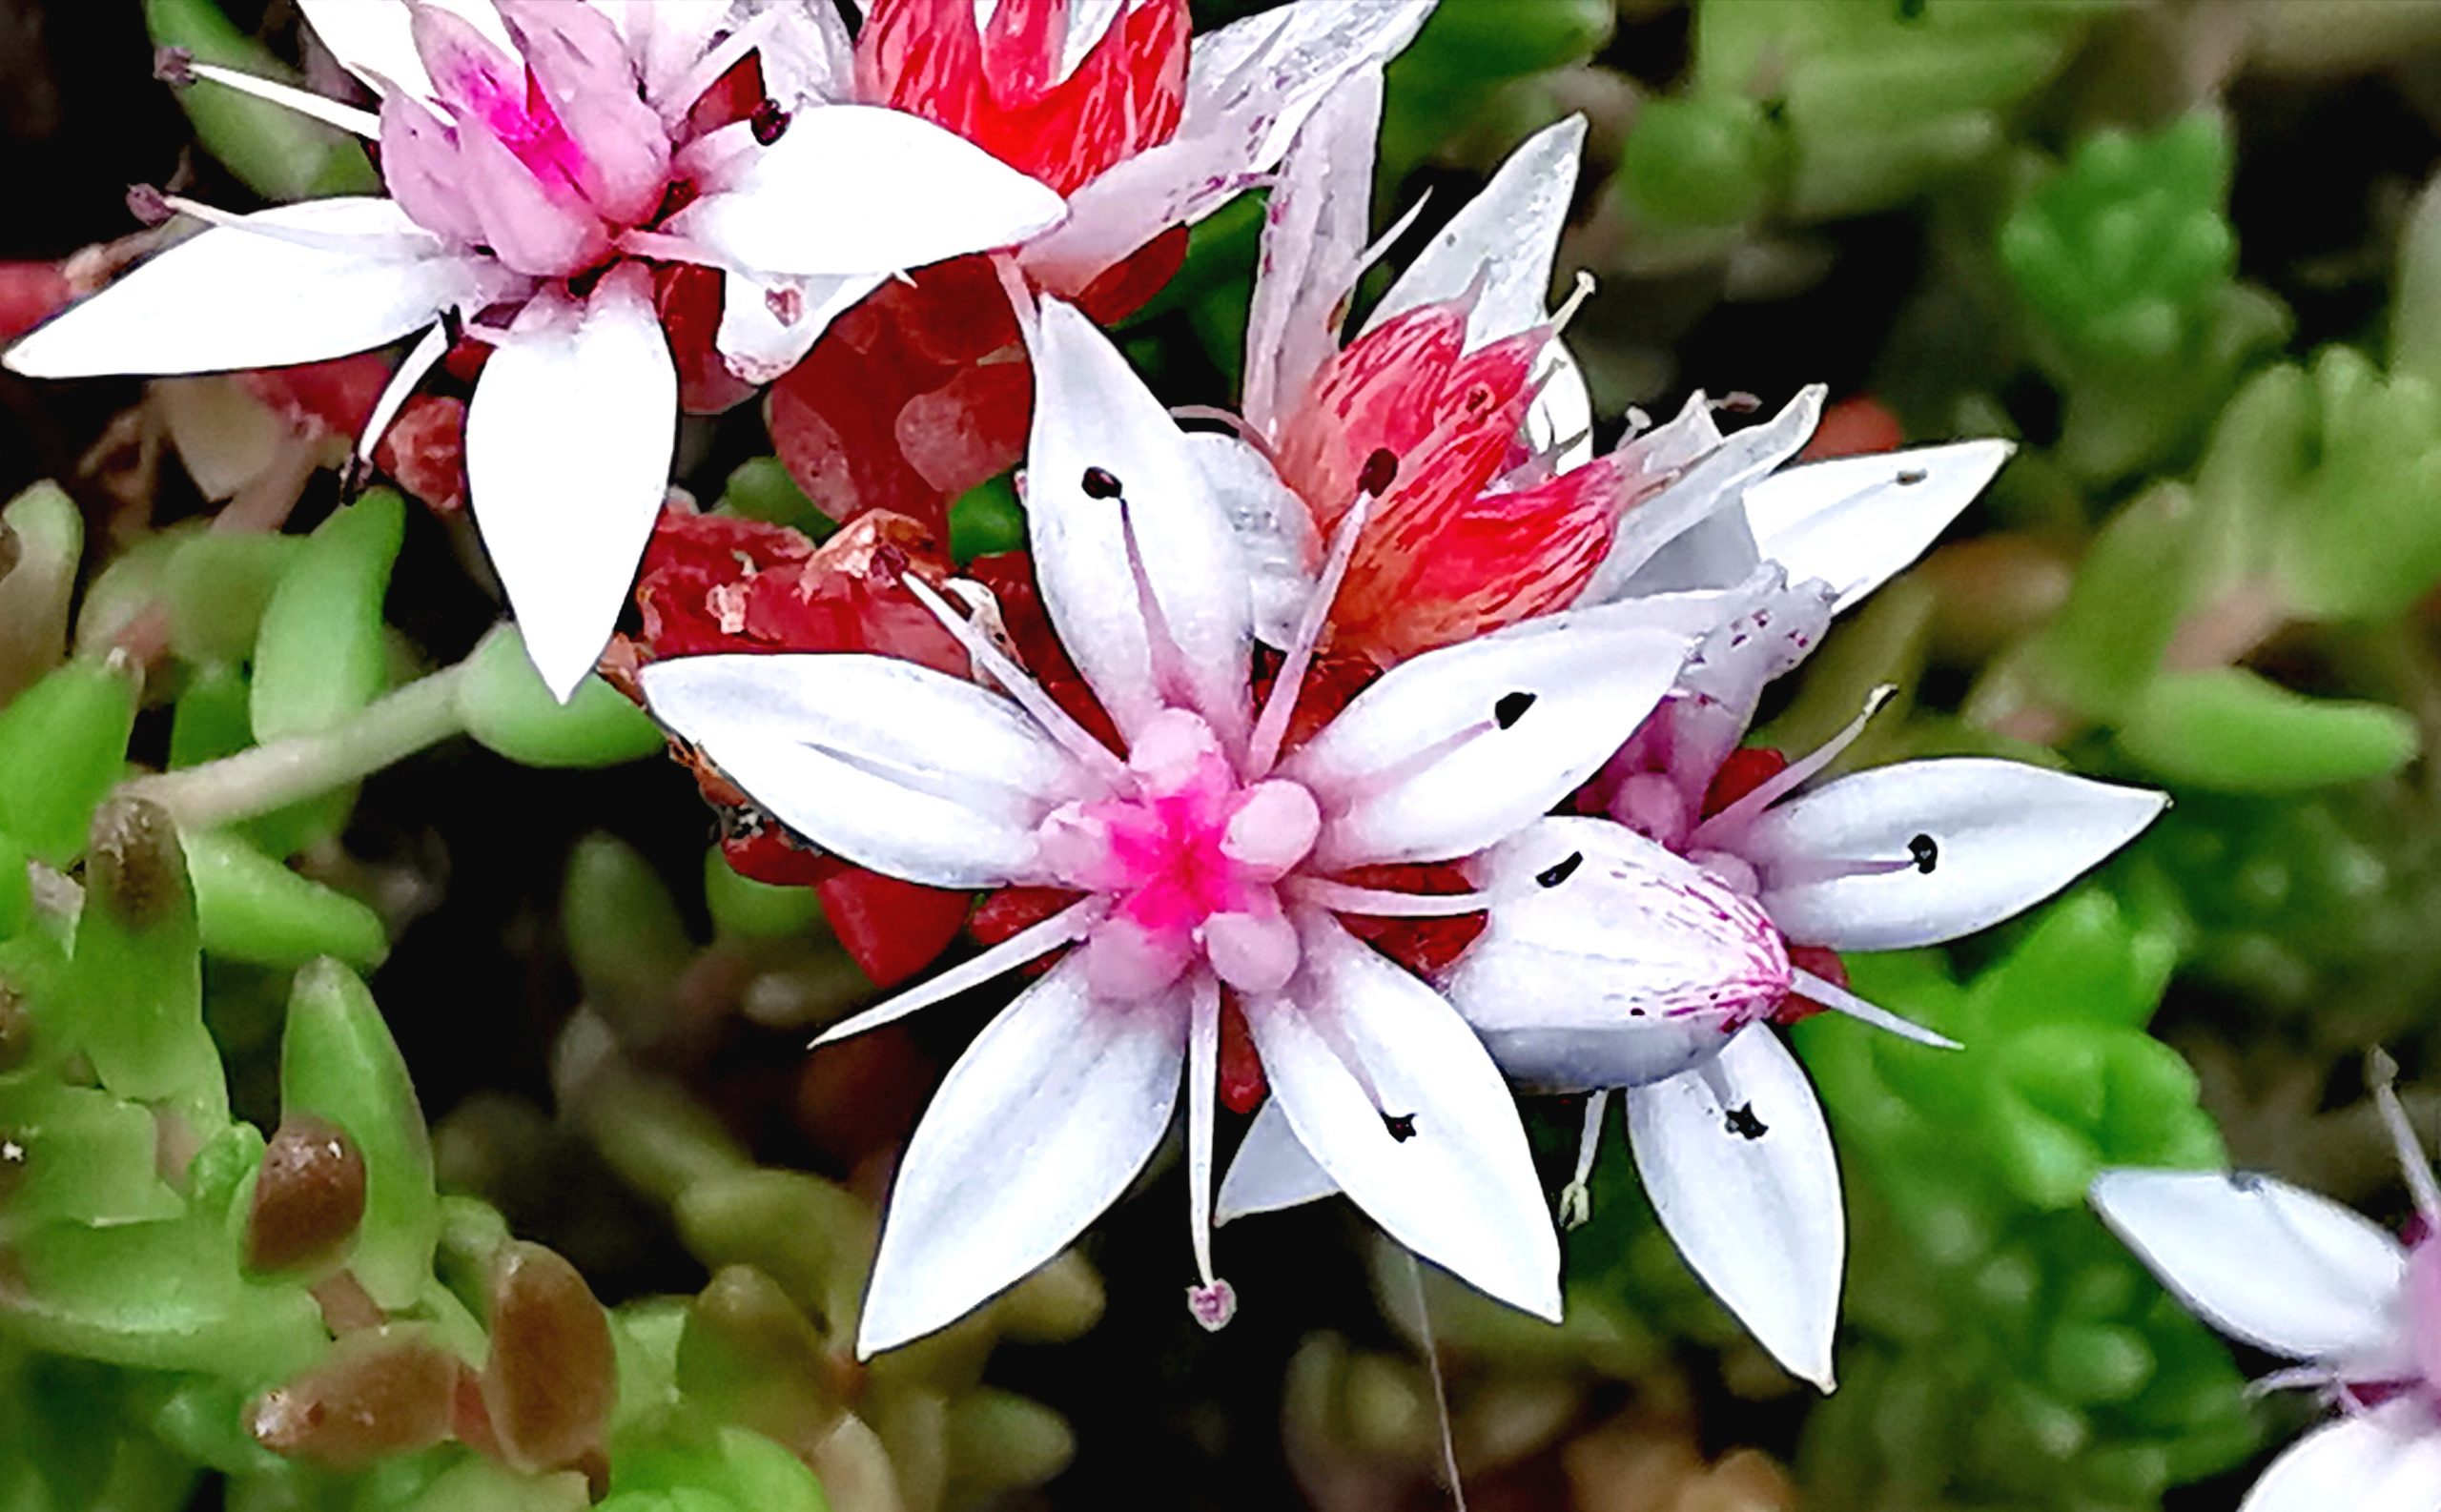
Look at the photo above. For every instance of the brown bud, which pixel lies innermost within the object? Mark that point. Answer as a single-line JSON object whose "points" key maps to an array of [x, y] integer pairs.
{"points": [[552, 1379], [135, 866], [379, 1393], [309, 1197]]}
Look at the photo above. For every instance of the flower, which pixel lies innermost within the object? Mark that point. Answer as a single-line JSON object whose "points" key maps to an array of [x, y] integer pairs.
{"points": [[541, 159], [923, 392], [2293, 1273], [1206, 862], [1644, 947]]}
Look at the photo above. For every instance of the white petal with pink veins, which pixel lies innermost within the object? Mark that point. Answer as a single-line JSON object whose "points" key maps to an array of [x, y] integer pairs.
{"points": [[1461, 748], [1440, 1160], [1040, 1125], [1855, 521], [891, 764], [2286, 1269], [1164, 624], [2385, 1460], [1989, 839], [568, 443], [1316, 222], [857, 189], [1740, 1170], [299, 283]]}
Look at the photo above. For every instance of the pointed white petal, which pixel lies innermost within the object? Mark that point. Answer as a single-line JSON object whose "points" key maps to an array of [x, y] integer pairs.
{"points": [[1712, 481], [2006, 834], [1088, 20], [856, 188], [1040, 1126], [1725, 678], [1315, 228], [1509, 237], [299, 283], [1608, 961], [1855, 521], [1460, 1190], [568, 442], [2284, 1269], [1276, 536], [756, 343], [2388, 1459], [1271, 1169], [1758, 1218], [1461, 748], [1093, 414], [372, 38], [304, 102], [1559, 424], [894, 765]]}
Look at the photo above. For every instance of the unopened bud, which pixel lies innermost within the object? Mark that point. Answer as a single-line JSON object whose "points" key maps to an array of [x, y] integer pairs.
{"points": [[378, 1395], [309, 1197], [552, 1378]]}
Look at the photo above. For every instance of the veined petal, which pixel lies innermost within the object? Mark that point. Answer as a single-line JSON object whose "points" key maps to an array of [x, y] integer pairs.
{"points": [[2282, 1268], [1726, 676], [1040, 1126], [1758, 1215], [1507, 236], [756, 343], [1855, 521], [568, 442], [1165, 622], [1460, 1189], [1608, 961], [2005, 836], [1712, 481], [856, 188], [891, 764], [1271, 1171], [2385, 1460], [373, 39], [296, 283], [1457, 749], [1316, 224]]}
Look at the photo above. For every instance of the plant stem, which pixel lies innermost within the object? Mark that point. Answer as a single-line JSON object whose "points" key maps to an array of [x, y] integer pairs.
{"points": [[271, 777]]}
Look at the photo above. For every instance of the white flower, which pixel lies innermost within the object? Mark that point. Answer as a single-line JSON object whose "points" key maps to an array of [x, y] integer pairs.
{"points": [[1208, 860], [2295, 1274], [538, 154]]}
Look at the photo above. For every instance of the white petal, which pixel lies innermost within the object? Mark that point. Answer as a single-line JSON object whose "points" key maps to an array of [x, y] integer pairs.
{"points": [[756, 344], [1855, 521], [1712, 481], [1759, 1220], [2388, 1459], [568, 443], [2008, 835], [1725, 678], [808, 55], [1040, 1126], [1461, 1191], [2282, 1268], [1093, 413], [1508, 237], [1385, 794], [1250, 86], [889, 763], [299, 283], [1559, 424], [1274, 529], [1632, 966], [856, 188], [1316, 224], [372, 38], [1271, 1169]]}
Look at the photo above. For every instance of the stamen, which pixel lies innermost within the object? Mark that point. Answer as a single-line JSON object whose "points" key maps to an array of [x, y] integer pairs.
{"points": [[1400, 1125], [1925, 852], [1810, 869], [1381, 471], [1440, 1387], [1236, 424], [1511, 708], [1381, 902], [1064, 927], [1214, 1301], [768, 122], [1742, 1122], [1100, 483], [1576, 1198], [174, 67], [723, 56], [1271, 726], [1576, 298], [1073, 738], [304, 102], [1839, 1000], [429, 348], [1710, 834], [2383, 1073], [1161, 650], [147, 205], [1551, 876], [1406, 768], [293, 236]]}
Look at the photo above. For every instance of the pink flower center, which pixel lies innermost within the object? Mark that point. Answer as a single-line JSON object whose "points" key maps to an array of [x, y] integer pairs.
{"points": [[1189, 859], [519, 115]]}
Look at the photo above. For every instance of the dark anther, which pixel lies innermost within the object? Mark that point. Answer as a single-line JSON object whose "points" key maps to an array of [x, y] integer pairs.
{"points": [[1381, 471], [354, 475], [1100, 483], [1551, 876], [1912, 477], [1927, 854], [889, 564], [768, 122], [1402, 1126], [1743, 1123], [148, 204], [453, 326], [174, 67], [1511, 708]]}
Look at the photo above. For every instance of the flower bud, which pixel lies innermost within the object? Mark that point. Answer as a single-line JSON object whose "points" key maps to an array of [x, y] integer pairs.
{"points": [[552, 1378], [379, 1393], [309, 1197]]}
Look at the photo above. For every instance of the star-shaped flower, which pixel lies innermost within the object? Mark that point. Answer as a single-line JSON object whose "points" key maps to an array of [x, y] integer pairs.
{"points": [[2295, 1274], [542, 157], [1210, 859]]}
